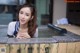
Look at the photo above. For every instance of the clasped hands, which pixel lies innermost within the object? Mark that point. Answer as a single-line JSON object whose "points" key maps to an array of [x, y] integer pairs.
{"points": [[23, 35]]}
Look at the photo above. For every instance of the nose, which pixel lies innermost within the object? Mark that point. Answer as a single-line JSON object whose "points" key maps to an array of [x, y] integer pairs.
{"points": [[23, 16]]}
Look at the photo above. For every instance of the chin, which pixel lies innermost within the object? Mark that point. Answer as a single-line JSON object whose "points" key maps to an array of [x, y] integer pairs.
{"points": [[23, 23]]}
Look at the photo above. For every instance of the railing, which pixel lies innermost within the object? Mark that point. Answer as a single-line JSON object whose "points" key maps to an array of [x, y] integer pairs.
{"points": [[57, 43], [38, 45]]}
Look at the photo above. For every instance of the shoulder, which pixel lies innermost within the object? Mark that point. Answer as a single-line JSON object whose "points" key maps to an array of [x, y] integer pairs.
{"points": [[12, 23], [11, 28], [36, 33], [36, 29]]}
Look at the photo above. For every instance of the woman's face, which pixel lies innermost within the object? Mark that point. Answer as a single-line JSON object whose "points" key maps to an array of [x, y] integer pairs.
{"points": [[24, 15]]}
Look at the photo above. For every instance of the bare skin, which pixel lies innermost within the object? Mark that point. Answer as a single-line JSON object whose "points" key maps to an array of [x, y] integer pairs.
{"points": [[23, 34], [24, 17]]}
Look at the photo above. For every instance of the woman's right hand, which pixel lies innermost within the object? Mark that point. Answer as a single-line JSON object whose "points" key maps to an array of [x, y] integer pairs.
{"points": [[23, 35]]}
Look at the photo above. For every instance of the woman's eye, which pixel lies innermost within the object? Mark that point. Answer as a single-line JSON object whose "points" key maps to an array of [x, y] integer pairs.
{"points": [[21, 12], [27, 14]]}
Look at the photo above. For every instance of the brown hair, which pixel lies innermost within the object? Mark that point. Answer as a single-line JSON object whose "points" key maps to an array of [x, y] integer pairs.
{"points": [[32, 23]]}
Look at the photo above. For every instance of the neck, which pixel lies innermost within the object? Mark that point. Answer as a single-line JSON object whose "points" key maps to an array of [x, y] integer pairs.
{"points": [[23, 26]]}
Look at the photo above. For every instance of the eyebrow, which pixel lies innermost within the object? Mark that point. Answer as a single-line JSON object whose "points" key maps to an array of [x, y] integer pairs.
{"points": [[26, 12]]}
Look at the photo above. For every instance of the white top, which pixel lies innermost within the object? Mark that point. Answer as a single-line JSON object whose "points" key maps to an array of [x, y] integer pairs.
{"points": [[11, 29]]}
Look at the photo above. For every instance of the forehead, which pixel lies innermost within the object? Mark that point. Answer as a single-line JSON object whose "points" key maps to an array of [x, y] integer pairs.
{"points": [[26, 9]]}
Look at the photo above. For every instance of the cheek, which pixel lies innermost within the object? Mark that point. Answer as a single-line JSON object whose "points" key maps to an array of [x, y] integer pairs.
{"points": [[19, 16], [27, 18]]}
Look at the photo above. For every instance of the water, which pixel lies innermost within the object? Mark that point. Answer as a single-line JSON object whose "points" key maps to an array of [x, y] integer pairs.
{"points": [[46, 32], [3, 30]]}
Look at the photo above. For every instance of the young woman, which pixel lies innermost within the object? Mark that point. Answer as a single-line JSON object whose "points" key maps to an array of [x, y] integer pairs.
{"points": [[26, 26]]}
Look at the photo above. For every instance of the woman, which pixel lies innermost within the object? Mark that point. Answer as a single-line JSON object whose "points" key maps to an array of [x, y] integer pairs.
{"points": [[26, 26]]}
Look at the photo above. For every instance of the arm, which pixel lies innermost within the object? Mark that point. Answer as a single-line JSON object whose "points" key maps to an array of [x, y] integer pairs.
{"points": [[10, 30], [36, 33]]}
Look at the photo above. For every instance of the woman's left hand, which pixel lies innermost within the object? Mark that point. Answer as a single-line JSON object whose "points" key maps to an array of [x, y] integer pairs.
{"points": [[23, 35]]}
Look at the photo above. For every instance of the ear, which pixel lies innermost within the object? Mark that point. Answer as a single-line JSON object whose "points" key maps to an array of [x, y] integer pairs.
{"points": [[31, 17]]}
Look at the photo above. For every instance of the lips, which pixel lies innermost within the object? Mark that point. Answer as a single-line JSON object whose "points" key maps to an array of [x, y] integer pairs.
{"points": [[22, 20]]}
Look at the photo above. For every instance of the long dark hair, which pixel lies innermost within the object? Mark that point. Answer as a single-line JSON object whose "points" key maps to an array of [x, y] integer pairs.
{"points": [[32, 23]]}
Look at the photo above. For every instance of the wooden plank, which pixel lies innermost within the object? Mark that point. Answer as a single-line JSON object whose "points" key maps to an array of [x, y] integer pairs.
{"points": [[71, 47], [14, 48], [47, 45], [71, 28], [77, 47], [35, 48], [47, 48], [7, 48], [22, 48], [26, 48], [42, 48], [62, 47], [54, 48], [2, 48]]}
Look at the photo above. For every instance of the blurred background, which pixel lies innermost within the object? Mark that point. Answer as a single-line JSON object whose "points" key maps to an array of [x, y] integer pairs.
{"points": [[8, 10], [48, 11]]}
